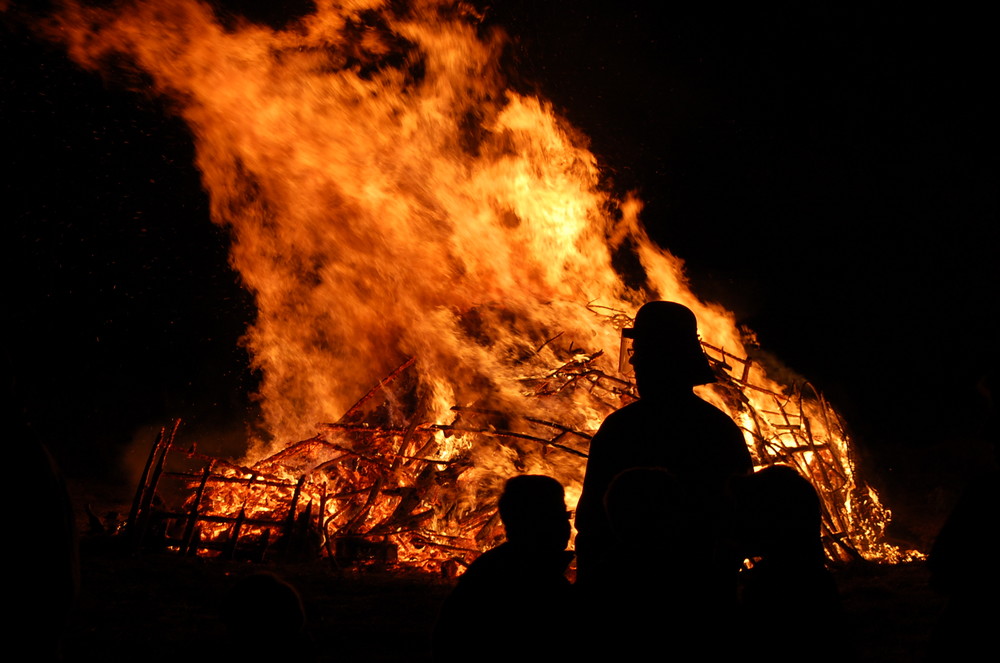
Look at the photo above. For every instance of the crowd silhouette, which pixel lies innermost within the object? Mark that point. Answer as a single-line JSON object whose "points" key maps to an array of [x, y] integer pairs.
{"points": [[682, 550]]}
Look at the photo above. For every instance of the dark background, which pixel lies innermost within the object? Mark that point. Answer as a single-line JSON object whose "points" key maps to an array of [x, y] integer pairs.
{"points": [[827, 172]]}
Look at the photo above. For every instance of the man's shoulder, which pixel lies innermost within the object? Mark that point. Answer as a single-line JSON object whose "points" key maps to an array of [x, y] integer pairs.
{"points": [[708, 410], [625, 415]]}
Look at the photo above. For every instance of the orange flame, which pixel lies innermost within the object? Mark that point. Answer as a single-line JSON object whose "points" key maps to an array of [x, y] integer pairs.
{"points": [[390, 198]]}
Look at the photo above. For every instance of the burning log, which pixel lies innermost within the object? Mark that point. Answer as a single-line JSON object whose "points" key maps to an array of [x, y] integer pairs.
{"points": [[192, 526], [291, 520], [139, 516], [509, 434], [229, 551], [355, 409]]}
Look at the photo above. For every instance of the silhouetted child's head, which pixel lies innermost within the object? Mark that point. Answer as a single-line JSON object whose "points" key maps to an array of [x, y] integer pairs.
{"points": [[533, 511], [779, 512]]}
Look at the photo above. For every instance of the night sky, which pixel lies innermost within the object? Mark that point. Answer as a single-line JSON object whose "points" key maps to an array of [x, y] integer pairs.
{"points": [[827, 172]]}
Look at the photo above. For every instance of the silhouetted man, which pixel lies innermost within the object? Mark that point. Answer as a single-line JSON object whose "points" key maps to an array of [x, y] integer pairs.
{"points": [[668, 427]]}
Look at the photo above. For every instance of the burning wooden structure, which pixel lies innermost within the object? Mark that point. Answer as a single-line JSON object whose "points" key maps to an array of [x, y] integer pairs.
{"points": [[364, 490]]}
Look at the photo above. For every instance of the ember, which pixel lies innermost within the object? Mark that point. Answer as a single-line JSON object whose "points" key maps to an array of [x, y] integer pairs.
{"points": [[404, 219]]}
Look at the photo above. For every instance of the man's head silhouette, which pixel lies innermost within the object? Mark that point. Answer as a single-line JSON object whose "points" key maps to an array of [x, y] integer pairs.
{"points": [[666, 352]]}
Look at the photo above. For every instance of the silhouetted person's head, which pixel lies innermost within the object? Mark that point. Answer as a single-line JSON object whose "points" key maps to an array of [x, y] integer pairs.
{"points": [[533, 511], [780, 513], [666, 352]]}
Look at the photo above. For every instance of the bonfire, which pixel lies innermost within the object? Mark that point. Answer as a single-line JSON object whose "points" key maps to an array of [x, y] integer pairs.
{"points": [[405, 219]]}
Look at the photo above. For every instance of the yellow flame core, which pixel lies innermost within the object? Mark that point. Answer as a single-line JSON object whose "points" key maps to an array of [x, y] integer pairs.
{"points": [[390, 198]]}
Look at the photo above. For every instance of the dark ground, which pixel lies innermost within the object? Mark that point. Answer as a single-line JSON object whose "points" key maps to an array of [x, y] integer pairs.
{"points": [[159, 607]]}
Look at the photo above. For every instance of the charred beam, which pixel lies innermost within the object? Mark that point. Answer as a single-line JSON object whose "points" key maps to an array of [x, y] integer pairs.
{"points": [[142, 516], [378, 387], [511, 435], [190, 528]]}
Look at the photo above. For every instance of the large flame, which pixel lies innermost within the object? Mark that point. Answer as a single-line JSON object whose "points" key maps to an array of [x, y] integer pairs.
{"points": [[391, 199]]}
